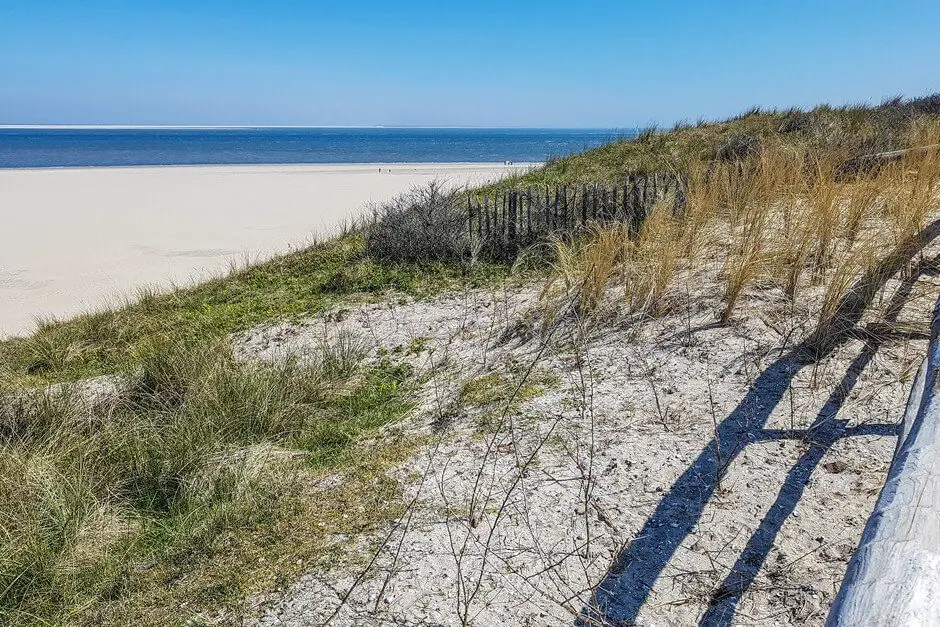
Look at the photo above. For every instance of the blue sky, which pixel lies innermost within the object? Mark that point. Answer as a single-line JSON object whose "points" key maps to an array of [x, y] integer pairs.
{"points": [[481, 63]]}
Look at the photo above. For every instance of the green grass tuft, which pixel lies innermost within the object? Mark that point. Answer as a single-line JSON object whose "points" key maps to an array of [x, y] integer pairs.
{"points": [[198, 451]]}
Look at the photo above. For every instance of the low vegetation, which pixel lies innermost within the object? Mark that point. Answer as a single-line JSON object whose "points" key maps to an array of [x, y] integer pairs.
{"points": [[845, 132], [428, 224], [192, 483], [193, 450], [494, 393], [112, 510]]}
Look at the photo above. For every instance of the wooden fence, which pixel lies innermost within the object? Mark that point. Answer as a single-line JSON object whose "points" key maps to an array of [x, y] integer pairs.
{"points": [[503, 222]]}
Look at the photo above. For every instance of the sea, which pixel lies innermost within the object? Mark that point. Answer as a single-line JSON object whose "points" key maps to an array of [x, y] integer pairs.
{"points": [[83, 147]]}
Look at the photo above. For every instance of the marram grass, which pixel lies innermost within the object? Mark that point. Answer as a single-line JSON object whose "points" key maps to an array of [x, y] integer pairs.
{"points": [[198, 452]]}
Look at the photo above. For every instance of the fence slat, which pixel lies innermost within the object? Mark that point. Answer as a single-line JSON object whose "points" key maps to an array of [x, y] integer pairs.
{"points": [[511, 231], [567, 219], [584, 206], [528, 212]]}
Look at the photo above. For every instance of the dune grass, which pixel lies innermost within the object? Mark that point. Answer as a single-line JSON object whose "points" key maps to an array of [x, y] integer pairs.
{"points": [[199, 454], [782, 217], [847, 131], [196, 486]]}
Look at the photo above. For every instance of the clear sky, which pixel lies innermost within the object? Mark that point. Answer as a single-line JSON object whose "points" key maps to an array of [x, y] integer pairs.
{"points": [[472, 63]]}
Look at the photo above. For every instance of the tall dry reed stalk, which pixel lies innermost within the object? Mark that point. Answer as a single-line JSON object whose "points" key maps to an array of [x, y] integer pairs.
{"points": [[698, 220], [825, 216]]}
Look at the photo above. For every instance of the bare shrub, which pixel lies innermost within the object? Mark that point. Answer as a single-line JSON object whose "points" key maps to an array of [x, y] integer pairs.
{"points": [[427, 223], [926, 105], [738, 147]]}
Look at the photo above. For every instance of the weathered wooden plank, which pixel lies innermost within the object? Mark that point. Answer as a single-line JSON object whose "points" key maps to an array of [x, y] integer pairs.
{"points": [[470, 218], [528, 211], [548, 222], [612, 209], [494, 235], [872, 163], [555, 209], [567, 217], [486, 213], [594, 202], [625, 203], [894, 576], [584, 205], [635, 202], [511, 230]]}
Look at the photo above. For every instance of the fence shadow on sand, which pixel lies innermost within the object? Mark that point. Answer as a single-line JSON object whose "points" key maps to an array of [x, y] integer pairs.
{"points": [[618, 598]]}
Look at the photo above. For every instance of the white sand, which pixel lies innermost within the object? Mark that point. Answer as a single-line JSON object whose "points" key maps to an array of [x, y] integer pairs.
{"points": [[74, 240], [605, 461]]}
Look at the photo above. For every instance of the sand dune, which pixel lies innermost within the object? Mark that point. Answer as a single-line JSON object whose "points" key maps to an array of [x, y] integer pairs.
{"points": [[74, 240]]}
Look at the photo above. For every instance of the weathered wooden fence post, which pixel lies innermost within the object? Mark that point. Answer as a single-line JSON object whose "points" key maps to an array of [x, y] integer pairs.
{"points": [[567, 218], [496, 227], [486, 214], [511, 230], [555, 210], [622, 212], [584, 206], [679, 208], [470, 220], [528, 211], [594, 202]]}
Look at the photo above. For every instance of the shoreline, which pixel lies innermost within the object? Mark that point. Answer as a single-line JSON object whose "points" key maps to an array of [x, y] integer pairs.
{"points": [[211, 127], [79, 239], [331, 166]]}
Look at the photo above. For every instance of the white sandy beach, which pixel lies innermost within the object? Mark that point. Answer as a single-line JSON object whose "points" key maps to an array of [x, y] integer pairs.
{"points": [[74, 240]]}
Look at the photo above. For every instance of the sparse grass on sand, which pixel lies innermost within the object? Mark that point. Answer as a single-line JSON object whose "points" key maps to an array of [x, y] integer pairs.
{"points": [[782, 217]]}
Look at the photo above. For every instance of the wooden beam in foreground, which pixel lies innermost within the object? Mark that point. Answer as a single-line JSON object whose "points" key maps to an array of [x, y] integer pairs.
{"points": [[894, 576]]}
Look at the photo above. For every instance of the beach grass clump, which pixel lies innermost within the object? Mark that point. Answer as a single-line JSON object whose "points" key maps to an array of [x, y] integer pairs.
{"points": [[779, 215], [642, 264], [197, 449]]}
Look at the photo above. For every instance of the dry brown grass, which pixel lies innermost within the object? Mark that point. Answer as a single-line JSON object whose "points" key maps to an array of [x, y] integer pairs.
{"points": [[783, 216], [644, 264], [652, 259]]}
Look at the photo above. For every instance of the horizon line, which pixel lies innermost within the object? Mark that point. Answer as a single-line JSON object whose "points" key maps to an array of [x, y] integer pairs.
{"points": [[286, 126]]}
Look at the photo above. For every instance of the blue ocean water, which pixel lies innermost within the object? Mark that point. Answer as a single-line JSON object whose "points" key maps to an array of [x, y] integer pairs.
{"points": [[38, 148]]}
